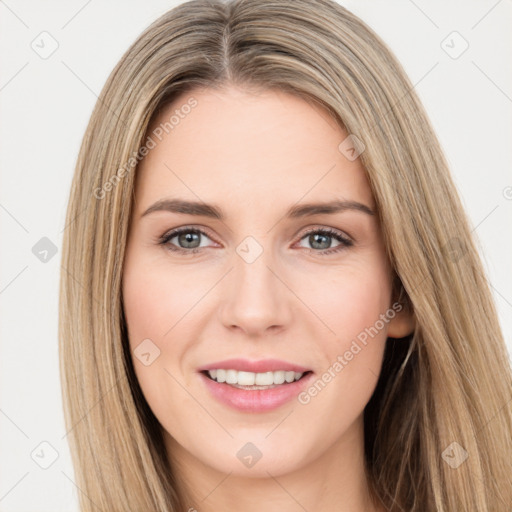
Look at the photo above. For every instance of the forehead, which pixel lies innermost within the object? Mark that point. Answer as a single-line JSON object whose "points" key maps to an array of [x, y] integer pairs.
{"points": [[249, 146]]}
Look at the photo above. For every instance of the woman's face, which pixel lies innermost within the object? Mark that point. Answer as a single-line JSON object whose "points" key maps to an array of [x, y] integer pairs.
{"points": [[257, 276]]}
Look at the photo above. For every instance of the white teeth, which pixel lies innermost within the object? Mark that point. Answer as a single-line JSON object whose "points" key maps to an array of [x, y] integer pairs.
{"points": [[231, 377], [254, 379], [264, 379], [246, 378], [279, 377]]}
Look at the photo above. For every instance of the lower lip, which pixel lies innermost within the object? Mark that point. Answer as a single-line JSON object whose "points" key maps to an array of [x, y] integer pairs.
{"points": [[257, 400]]}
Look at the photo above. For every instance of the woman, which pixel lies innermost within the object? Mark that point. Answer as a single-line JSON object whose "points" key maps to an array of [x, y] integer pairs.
{"points": [[265, 301]]}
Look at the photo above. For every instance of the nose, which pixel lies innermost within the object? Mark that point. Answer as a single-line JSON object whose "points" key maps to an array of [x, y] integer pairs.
{"points": [[256, 299]]}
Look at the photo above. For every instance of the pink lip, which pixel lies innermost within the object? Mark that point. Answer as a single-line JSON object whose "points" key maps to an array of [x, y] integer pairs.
{"points": [[262, 366], [258, 400]]}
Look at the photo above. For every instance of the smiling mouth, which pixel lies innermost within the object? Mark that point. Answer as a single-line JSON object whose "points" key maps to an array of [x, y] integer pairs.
{"points": [[254, 381]]}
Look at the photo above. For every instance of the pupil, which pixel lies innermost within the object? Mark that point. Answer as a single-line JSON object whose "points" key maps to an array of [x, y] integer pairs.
{"points": [[315, 238], [187, 238]]}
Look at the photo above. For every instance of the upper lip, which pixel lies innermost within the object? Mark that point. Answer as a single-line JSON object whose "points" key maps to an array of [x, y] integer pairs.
{"points": [[261, 366]]}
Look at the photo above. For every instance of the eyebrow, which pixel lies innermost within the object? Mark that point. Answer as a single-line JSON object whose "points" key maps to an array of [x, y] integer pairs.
{"points": [[213, 211]]}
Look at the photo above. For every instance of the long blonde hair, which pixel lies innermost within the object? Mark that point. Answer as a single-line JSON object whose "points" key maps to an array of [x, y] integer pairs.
{"points": [[450, 382]]}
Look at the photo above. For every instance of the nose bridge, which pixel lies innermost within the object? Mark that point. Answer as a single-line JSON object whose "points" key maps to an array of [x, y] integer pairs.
{"points": [[256, 299], [253, 278]]}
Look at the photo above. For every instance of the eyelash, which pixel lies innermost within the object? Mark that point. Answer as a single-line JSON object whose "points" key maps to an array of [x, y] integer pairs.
{"points": [[344, 241]]}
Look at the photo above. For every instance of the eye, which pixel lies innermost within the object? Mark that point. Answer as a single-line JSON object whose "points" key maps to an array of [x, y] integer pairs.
{"points": [[321, 239], [188, 238]]}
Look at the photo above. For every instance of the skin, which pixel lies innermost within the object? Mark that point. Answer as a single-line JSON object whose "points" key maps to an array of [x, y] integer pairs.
{"points": [[254, 155]]}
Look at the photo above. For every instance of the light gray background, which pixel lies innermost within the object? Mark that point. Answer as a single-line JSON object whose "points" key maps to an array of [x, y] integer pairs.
{"points": [[45, 105]]}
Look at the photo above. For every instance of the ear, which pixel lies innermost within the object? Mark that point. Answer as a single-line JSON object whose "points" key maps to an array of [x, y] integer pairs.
{"points": [[402, 324], [404, 321]]}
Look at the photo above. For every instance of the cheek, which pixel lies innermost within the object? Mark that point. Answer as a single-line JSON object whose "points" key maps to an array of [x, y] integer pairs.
{"points": [[349, 301], [155, 300], [144, 305], [164, 316], [152, 307], [154, 303], [360, 305], [352, 306]]}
